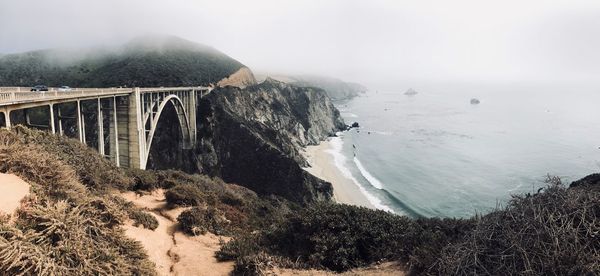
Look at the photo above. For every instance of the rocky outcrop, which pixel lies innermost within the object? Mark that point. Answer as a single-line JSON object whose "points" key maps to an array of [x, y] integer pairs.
{"points": [[241, 79], [253, 137], [411, 92]]}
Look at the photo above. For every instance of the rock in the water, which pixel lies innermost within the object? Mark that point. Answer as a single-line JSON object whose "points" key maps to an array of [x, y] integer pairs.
{"points": [[475, 101], [411, 92], [355, 124]]}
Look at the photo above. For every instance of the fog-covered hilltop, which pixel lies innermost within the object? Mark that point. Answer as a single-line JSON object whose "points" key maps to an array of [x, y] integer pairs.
{"points": [[336, 89], [145, 61]]}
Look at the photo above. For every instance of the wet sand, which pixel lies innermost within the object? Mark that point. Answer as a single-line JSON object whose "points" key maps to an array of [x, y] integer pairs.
{"points": [[323, 166]]}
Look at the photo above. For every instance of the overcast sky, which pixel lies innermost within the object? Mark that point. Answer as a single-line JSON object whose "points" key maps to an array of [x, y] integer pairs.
{"points": [[370, 40]]}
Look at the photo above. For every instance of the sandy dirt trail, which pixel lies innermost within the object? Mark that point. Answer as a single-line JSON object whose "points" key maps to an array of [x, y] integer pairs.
{"points": [[14, 189], [173, 252]]}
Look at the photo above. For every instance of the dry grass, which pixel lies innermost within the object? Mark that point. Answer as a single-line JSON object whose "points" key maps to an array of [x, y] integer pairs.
{"points": [[71, 223], [65, 227], [554, 232]]}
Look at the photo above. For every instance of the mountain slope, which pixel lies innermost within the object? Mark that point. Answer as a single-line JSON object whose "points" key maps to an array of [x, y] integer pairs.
{"points": [[146, 61], [336, 89]]}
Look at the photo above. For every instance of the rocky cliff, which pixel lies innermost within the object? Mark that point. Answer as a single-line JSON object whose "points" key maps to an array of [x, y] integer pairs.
{"points": [[253, 137], [336, 89], [242, 79]]}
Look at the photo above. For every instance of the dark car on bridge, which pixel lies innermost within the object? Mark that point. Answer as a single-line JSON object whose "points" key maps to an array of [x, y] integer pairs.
{"points": [[39, 88]]}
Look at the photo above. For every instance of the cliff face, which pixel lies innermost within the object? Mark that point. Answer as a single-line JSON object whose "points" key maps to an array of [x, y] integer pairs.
{"points": [[253, 136], [336, 89]]}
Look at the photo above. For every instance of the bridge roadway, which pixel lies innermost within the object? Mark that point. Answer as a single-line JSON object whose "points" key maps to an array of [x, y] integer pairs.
{"points": [[121, 121]]}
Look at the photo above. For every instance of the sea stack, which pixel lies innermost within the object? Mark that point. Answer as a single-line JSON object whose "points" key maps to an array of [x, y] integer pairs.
{"points": [[411, 92]]}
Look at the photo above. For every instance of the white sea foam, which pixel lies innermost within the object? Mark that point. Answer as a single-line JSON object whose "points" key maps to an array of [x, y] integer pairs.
{"points": [[350, 115], [367, 175], [339, 159]]}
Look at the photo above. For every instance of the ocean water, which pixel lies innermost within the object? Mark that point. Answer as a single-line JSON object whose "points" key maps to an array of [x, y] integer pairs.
{"points": [[435, 154]]}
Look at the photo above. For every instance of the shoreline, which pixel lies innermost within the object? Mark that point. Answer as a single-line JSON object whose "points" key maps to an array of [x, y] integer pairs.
{"points": [[322, 165]]}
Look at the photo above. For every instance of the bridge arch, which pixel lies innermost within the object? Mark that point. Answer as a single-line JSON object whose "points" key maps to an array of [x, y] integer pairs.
{"points": [[153, 120]]}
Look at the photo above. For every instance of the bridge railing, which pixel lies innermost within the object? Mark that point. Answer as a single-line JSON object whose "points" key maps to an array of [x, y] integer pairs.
{"points": [[15, 96], [14, 89], [10, 95]]}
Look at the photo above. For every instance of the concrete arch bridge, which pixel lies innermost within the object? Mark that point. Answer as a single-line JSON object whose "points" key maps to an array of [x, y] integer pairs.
{"points": [[120, 122]]}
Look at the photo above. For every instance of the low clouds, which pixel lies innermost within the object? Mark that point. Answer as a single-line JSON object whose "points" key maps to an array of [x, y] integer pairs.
{"points": [[370, 41]]}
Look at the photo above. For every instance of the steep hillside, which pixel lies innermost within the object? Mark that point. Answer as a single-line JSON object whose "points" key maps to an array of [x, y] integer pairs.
{"points": [[551, 232], [336, 89], [79, 218], [253, 136], [147, 61]]}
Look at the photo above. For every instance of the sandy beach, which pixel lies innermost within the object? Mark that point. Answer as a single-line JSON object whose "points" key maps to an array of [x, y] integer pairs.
{"points": [[323, 166]]}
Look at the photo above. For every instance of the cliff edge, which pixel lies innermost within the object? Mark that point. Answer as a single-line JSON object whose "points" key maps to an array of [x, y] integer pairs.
{"points": [[253, 137]]}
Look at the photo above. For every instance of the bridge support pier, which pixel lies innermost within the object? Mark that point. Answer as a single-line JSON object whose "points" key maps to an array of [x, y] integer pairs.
{"points": [[137, 132], [27, 119], [191, 102], [100, 117], [51, 121], [6, 113], [80, 131], [113, 133], [60, 123]]}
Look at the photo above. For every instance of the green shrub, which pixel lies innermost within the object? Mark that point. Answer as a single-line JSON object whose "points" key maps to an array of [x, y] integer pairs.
{"points": [[185, 195], [144, 180], [340, 237], [237, 247], [197, 221], [143, 218], [259, 264], [232, 199]]}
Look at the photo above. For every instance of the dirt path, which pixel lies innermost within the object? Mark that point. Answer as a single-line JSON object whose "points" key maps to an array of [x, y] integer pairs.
{"points": [[173, 252], [13, 190]]}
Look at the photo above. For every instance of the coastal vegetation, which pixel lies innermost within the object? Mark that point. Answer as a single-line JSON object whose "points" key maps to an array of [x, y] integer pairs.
{"points": [[552, 232], [245, 181], [70, 223], [73, 214]]}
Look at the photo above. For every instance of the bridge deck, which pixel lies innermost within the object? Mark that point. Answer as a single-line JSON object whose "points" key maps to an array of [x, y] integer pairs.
{"points": [[12, 96]]}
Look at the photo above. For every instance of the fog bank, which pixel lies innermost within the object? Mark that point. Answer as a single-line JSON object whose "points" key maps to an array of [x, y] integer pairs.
{"points": [[367, 41]]}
